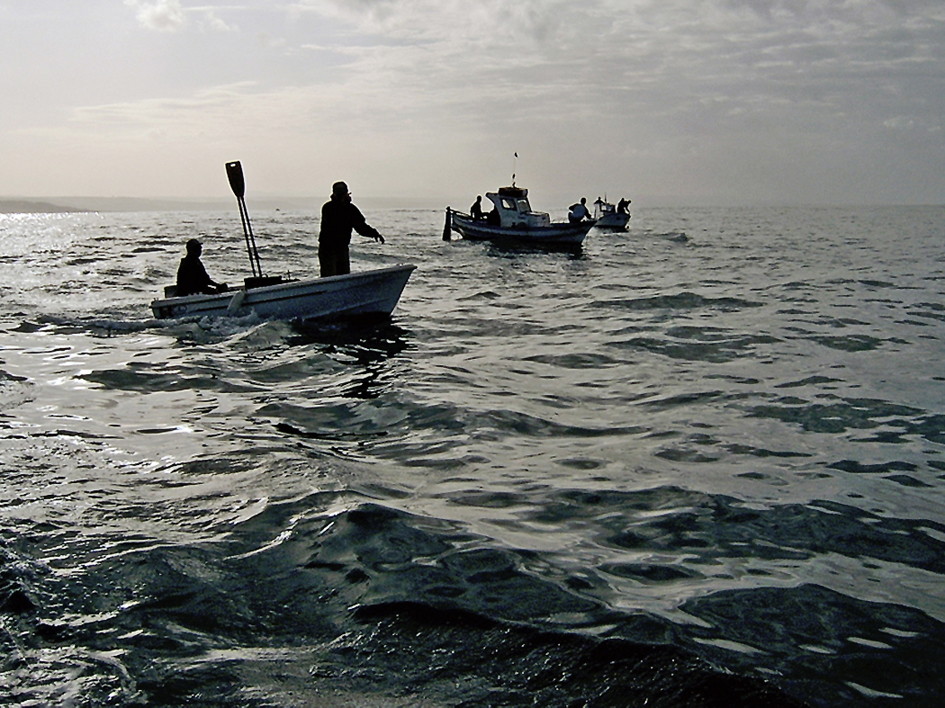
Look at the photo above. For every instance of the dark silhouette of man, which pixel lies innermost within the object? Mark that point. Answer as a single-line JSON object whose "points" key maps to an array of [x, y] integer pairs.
{"points": [[579, 212], [339, 218], [192, 278], [475, 211]]}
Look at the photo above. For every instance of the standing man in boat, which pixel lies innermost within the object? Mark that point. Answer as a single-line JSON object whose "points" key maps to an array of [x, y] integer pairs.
{"points": [[339, 217], [192, 278]]}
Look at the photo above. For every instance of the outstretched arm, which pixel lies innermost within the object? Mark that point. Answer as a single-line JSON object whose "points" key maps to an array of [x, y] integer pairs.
{"points": [[365, 229], [370, 232]]}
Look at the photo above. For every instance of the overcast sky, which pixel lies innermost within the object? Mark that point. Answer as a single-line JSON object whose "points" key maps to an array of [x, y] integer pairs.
{"points": [[679, 101]]}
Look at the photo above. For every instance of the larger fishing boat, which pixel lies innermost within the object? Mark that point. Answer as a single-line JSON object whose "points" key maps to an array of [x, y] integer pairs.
{"points": [[513, 220]]}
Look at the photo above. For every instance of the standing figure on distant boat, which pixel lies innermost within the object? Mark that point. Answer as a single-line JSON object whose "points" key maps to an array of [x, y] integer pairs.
{"points": [[475, 211], [339, 217], [192, 278], [579, 212], [622, 206]]}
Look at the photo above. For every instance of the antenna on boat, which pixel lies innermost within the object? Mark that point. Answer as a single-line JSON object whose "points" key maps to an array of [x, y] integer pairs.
{"points": [[234, 172], [514, 163]]}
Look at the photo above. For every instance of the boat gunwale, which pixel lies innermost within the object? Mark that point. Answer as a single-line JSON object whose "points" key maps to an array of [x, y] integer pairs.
{"points": [[280, 291]]}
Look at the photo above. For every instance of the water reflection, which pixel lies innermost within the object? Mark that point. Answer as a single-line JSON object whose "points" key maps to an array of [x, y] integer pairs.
{"points": [[512, 250], [366, 345]]}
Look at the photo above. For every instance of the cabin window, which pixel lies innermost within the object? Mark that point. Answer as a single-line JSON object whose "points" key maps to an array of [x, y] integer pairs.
{"points": [[508, 204], [523, 206]]}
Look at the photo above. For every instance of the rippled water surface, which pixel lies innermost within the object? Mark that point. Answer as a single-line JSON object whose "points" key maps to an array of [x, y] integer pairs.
{"points": [[700, 463]]}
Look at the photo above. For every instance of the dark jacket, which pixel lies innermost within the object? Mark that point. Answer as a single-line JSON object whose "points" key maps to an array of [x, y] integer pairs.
{"points": [[192, 277], [338, 220]]}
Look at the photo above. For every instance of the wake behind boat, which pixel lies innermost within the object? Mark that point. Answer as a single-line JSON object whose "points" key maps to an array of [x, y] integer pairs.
{"points": [[373, 292], [513, 221]]}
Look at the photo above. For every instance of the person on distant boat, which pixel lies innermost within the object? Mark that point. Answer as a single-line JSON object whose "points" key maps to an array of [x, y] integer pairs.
{"points": [[578, 212], [192, 278], [622, 206], [339, 217], [475, 211]]}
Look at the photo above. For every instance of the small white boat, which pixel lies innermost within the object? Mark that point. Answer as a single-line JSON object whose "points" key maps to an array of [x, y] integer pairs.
{"points": [[370, 292], [513, 221], [607, 216]]}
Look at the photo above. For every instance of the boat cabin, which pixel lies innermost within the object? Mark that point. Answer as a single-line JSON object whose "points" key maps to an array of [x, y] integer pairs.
{"points": [[603, 208], [513, 209]]}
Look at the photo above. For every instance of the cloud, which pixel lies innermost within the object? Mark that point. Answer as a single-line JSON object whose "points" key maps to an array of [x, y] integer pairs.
{"points": [[716, 89], [211, 20], [171, 16], [731, 100], [160, 15], [695, 95]]}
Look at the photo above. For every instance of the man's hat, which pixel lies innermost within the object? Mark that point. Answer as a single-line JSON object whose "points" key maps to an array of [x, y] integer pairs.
{"points": [[339, 189]]}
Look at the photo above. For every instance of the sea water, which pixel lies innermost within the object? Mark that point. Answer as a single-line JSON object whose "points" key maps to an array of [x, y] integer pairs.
{"points": [[699, 463]]}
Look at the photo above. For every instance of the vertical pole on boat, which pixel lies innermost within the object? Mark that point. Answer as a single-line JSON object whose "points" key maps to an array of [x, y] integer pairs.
{"points": [[446, 227], [234, 172]]}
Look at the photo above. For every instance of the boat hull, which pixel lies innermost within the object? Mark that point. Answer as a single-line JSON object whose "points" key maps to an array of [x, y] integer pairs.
{"points": [[372, 292], [556, 234], [615, 222]]}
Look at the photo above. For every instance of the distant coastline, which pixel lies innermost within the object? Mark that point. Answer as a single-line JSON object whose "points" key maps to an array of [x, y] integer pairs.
{"points": [[64, 205], [28, 206]]}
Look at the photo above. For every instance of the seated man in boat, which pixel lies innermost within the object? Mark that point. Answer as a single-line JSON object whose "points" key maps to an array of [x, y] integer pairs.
{"points": [[475, 211], [579, 212], [339, 217], [192, 278]]}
